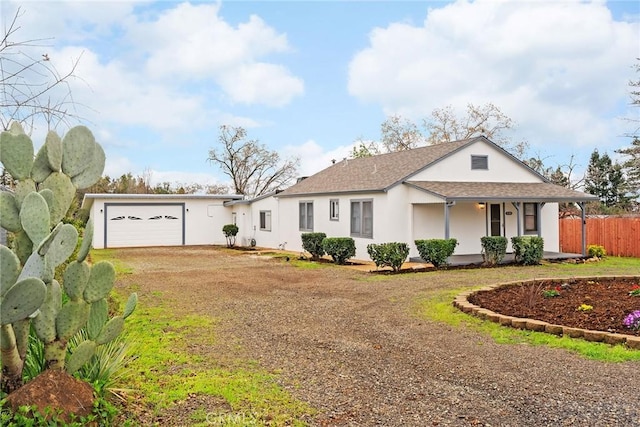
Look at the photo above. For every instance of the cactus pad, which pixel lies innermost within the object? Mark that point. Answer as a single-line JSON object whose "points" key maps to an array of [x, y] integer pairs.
{"points": [[64, 192], [9, 212], [87, 238], [111, 330], [72, 316], [132, 302], [81, 355], [22, 246], [54, 151], [49, 197], [44, 323], [34, 217], [34, 267], [10, 269], [22, 299], [77, 150], [22, 190], [97, 318], [75, 279], [16, 154], [40, 169], [63, 245], [101, 281], [16, 128], [93, 172]]}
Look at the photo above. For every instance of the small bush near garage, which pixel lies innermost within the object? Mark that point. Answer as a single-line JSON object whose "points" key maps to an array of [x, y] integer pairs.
{"points": [[312, 243], [494, 248], [391, 254], [436, 251], [230, 232], [528, 250], [339, 248]]}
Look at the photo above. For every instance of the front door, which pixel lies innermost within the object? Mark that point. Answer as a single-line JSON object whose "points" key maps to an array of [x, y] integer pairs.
{"points": [[495, 220]]}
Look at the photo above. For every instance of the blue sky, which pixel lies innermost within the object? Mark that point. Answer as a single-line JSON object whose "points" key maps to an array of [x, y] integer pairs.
{"points": [[157, 79]]}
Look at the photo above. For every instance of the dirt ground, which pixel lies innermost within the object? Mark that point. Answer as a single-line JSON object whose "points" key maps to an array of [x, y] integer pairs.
{"points": [[351, 344]]}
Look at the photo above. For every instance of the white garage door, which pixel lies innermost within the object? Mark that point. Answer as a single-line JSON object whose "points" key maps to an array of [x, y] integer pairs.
{"points": [[150, 224]]}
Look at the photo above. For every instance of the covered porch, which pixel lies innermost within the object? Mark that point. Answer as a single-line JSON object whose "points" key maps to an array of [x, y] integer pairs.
{"points": [[509, 209]]}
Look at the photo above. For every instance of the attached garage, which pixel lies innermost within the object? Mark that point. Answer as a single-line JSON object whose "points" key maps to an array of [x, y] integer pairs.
{"points": [[144, 220]]}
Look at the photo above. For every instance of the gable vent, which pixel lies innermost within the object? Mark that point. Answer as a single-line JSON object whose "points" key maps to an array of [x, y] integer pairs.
{"points": [[479, 162]]}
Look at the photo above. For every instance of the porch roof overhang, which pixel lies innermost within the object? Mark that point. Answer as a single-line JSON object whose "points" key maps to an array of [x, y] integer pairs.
{"points": [[500, 191]]}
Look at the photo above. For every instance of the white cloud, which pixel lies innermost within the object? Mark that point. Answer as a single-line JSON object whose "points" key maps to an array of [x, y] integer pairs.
{"points": [[192, 42], [314, 158], [557, 68]]}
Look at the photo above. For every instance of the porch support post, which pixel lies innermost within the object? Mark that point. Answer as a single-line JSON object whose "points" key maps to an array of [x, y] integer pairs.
{"points": [[584, 228], [447, 205], [518, 219], [539, 218]]}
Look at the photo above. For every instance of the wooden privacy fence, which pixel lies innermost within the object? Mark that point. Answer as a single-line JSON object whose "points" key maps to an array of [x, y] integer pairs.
{"points": [[620, 236]]}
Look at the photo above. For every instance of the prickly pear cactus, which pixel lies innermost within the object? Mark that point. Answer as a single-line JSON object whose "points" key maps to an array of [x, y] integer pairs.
{"points": [[45, 187]]}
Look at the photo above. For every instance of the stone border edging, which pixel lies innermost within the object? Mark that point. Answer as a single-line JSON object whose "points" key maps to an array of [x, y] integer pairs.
{"points": [[462, 303]]}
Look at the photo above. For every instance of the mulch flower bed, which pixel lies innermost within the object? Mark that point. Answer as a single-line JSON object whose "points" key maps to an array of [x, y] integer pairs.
{"points": [[594, 304]]}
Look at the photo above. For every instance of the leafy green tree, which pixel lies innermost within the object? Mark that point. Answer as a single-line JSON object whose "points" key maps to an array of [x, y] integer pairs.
{"points": [[364, 148]]}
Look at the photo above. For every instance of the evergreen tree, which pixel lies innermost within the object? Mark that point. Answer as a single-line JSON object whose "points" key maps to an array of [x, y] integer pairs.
{"points": [[631, 166], [606, 180]]}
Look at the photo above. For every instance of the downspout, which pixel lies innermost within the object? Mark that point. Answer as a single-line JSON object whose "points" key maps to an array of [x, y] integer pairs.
{"points": [[584, 229]]}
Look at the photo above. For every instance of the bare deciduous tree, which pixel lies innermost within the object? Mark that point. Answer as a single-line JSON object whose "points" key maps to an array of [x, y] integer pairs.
{"points": [[254, 169], [31, 88], [398, 134], [488, 120]]}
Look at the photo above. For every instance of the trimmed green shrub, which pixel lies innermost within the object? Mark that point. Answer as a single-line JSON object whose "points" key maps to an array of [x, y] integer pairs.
{"points": [[596, 251], [494, 249], [340, 248], [436, 251], [230, 232], [388, 254], [312, 243], [528, 250]]}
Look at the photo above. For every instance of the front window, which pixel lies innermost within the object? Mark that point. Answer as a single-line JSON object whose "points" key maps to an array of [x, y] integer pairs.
{"points": [[531, 217], [362, 218], [306, 216], [334, 211], [265, 220]]}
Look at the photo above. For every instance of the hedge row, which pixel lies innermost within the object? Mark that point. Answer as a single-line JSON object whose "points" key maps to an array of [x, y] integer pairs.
{"points": [[528, 250]]}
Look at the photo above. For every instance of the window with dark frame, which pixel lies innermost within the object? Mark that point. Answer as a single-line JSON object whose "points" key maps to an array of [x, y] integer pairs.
{"points": [[334, 210], [265, 220], [362, 218], [530, 217], [306, 216], [479, 162]]}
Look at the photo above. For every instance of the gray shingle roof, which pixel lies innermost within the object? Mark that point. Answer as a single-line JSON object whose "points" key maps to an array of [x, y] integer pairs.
{"points": [[512, 191], [376, 173]]}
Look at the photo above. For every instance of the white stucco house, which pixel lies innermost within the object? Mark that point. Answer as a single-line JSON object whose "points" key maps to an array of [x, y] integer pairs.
{"points": [[465, 189]]}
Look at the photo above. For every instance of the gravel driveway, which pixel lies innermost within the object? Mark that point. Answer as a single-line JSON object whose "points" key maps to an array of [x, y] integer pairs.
{"points": [[352, 345]]}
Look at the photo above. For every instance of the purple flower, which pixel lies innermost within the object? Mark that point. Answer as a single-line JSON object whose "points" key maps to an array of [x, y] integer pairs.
{"points": [[632, 320]]}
